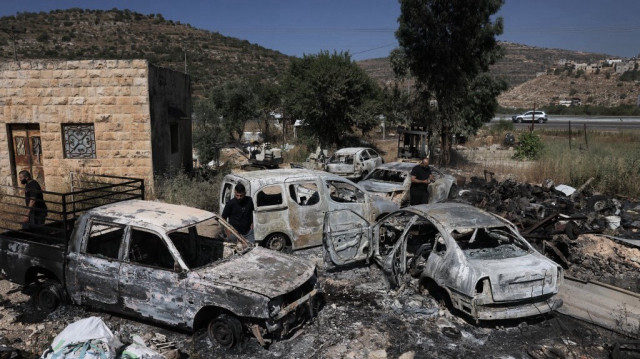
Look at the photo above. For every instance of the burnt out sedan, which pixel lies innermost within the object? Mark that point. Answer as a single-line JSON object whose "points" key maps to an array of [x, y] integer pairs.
{"points": [[478, 261], [393, 181]]}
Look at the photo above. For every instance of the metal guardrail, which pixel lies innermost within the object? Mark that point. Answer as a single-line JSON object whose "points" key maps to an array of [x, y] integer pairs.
{"points": [[87, 192]]}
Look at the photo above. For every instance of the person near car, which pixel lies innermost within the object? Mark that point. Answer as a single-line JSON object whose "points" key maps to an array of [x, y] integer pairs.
{"points": [[33, 200], [239, 213], [421, 176]]}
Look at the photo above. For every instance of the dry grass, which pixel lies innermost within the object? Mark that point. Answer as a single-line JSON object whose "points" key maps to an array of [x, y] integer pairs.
{"points": [[611, 157]]}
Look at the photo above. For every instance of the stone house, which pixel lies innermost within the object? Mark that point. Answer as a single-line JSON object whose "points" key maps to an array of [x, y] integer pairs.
{"points": [[114, 117]]}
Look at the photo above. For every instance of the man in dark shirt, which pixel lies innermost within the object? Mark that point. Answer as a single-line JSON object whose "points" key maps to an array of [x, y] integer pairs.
{"points": [[239, 213], [33, 200], [421, 176]]}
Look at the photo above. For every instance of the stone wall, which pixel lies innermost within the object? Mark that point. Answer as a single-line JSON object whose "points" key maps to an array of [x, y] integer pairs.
{"points": [[113, 95]]}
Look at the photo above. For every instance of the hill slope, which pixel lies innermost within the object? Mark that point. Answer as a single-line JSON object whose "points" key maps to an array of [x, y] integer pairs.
{"points": [[520, 63], [524, 68], [211, 58]]}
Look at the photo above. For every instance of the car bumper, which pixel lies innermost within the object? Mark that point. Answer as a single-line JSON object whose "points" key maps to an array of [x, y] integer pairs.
{"points": [[293, 316], [505, 310]]}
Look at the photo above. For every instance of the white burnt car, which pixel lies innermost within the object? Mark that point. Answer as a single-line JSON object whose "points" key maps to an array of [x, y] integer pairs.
{"points": [[393, 181], [353, 162], [477, 260]]}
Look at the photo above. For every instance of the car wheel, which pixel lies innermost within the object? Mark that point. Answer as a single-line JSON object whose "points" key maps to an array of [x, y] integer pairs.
{"points": [[227, 330], [540, 120], [519, 120], [49, 296], [278, 242]]}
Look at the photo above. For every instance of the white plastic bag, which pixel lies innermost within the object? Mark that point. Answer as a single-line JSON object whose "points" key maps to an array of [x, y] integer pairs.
{"points": [[88, 338]]}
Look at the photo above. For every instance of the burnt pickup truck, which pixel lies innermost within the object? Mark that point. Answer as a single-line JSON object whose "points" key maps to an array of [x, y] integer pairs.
{"points": [[164, 263]]}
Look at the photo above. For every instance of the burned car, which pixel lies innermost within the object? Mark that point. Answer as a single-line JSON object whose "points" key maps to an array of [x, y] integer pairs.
{"points": [[290, 204], [393, 181], [478, 261], [166, 263], [353, 162]]}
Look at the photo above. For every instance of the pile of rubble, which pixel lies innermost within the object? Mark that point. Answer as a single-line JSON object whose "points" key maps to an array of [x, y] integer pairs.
{"points": [[593, 236]]}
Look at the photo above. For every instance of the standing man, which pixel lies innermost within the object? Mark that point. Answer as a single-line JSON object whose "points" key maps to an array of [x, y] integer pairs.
{"points": [[239, 212], [33, 199], [421, 176]]}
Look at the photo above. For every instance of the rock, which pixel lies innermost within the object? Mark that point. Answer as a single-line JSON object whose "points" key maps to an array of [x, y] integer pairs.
{"points": [[378, 354], [407, 355]]}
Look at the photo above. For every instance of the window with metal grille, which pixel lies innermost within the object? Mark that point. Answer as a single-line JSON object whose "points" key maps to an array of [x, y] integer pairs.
{"points": [[79, 140]]}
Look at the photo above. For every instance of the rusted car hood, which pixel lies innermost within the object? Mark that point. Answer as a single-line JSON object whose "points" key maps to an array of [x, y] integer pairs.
{"points": [[516, 278], [381, 187], [262, 271]]}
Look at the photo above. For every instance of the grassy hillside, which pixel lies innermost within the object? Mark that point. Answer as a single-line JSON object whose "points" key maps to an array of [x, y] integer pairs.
{"points": [[211, 58], [520, 63]]}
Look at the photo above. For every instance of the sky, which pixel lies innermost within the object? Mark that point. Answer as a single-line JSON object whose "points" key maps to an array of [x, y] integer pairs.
{"points": [[365, 28]]}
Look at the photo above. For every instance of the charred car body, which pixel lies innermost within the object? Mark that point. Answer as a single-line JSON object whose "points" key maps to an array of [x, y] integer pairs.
{"points": [[393, 181], [165, 263], [477, 259], [290, 204], [353, 162]]}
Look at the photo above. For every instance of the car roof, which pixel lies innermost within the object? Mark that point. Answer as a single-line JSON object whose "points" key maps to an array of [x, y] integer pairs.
{"points": [[397, 166], [279, 175], [147, 214], [452, 215], [350, 150]]}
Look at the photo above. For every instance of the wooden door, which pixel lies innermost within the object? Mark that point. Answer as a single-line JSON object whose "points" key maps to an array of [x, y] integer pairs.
{"points": [[26, 148]]}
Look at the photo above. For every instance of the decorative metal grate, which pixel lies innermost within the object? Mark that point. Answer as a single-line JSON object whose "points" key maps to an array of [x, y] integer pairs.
{"points": [[79, 141], [36, 146], [20, 149]]}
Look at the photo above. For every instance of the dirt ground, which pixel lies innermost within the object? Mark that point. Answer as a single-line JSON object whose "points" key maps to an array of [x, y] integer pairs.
{"points": [[362, 318]]}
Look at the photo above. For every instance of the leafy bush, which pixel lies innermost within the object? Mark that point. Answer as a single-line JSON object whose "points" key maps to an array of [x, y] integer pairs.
{"points": [[43, 37], [194, 191], [529, 147]]}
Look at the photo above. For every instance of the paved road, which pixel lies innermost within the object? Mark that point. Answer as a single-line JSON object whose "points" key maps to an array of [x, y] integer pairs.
{"points": [[578, 122]]}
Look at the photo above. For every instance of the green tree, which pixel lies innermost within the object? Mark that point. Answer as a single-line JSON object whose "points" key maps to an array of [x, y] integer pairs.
{"points": [[237, 103], [208, 133], [447, 44], [332, 94], [269, 96]]}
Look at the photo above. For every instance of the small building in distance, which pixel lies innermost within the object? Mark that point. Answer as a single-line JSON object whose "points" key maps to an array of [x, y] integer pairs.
{"points": [[112, 117]]}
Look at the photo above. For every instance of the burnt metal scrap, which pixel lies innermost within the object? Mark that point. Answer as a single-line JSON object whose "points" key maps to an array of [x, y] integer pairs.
{"points": [[541, 211]]}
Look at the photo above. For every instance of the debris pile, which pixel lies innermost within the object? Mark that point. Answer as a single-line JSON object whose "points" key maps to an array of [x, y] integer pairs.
{"points": [[542, 211]]}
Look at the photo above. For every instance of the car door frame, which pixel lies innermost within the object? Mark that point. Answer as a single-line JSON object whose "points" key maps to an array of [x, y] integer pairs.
{"points": [[93, 280], [271, 219], [339, 244], [137, 283], [304, 232]]}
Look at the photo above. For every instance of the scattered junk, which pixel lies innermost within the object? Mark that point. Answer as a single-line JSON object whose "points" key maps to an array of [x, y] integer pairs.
{"points": [[290, 204], [509, 140], [315, 161], [413, 142], [91, 338], [474, 260], [263, 156], [353, 162], [393, 181], [166, 263]]}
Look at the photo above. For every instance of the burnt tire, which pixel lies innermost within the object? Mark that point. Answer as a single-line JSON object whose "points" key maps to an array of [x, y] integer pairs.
{"points": [[278, 242], [227, 330], [49, 296]]}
